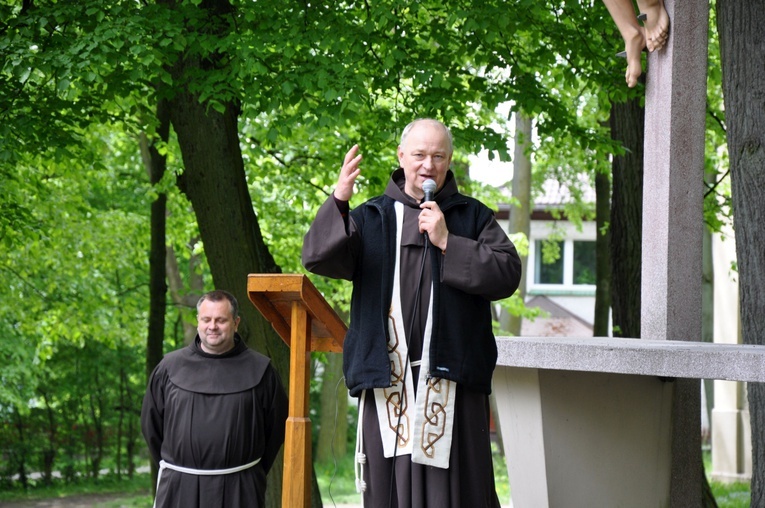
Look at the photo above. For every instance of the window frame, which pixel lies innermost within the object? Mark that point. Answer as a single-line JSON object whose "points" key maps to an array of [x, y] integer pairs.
{"points": [[544, 230]]}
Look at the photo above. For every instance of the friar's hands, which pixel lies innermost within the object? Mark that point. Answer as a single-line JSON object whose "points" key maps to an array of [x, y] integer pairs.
{"points": [[348, 174], [432, 222]]}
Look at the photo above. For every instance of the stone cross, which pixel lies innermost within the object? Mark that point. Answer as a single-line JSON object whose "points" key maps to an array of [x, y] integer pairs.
{"points": [[675, 111]]}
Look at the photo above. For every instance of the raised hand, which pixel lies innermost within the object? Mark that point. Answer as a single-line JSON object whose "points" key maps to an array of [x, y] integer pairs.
{"points": [[348, 174]]}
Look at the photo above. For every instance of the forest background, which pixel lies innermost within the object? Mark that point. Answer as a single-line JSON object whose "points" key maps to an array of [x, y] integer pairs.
{"points": [[150, 151]]}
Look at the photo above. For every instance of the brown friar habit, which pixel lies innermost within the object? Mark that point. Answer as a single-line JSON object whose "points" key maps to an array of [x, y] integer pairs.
{"points": [[469, 479], [205, 411]]}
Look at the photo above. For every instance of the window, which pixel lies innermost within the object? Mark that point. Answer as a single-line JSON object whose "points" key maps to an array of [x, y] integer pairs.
{"points": [[584, 262], [569, 262], [548, 264]]}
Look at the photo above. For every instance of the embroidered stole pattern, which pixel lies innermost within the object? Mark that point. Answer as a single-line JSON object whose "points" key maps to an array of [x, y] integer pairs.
{"points": [[427, 433]]}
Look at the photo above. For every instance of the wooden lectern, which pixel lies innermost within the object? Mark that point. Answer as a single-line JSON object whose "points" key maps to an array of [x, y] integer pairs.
{"points": [[305, 322]]}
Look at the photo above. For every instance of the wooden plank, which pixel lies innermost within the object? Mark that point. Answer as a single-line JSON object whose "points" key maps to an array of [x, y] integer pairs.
{"points": [[297, 440], [296, 487], [272, 314], [273, 294]]}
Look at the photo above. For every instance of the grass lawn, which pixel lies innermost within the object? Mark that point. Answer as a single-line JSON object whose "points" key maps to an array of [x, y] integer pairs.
{"points": [[336, 483], [128, 493], [727, 495]]}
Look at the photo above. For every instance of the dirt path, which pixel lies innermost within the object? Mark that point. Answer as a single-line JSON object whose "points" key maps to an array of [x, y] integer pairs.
{"points": [[90, 501]]}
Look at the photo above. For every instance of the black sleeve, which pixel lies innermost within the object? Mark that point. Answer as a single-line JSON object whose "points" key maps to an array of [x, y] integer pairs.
{"points": [[275, 416]]}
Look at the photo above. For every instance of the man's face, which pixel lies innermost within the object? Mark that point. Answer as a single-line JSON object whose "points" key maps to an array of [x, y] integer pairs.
{"points": [[424, 155], [216, 326]]}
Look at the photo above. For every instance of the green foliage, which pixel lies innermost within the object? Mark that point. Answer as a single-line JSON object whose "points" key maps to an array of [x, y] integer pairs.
{"points": [[83, 410], [717, 200], [74, 311]]}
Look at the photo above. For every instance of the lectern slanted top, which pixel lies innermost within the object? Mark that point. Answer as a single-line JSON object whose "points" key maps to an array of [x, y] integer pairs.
{"points": [[273, 295]]}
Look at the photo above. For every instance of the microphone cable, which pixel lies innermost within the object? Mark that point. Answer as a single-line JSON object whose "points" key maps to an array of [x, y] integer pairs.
{"points": [[415, 313]]}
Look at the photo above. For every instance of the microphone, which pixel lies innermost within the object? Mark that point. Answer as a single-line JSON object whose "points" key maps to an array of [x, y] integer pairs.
{"points": [[429, 188]]}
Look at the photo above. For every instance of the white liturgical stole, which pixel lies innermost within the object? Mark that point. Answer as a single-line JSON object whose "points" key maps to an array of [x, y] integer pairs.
{"points": [[424, 431]]}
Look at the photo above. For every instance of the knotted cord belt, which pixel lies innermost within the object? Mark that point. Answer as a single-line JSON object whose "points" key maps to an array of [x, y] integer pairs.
{"points": [[200, 472]]}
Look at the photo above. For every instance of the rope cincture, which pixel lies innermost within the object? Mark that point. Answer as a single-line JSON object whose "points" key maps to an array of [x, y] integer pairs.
{"points": [[199, 472], [360, 458]]}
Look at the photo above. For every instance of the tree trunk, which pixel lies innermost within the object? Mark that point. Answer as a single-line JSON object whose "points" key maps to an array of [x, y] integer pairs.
{"points": [[520, 214], [120, 423], [600, 326], [49, 450], [156, 164], [627, 121], [519, 222], [742, 53], [214, 181], [96, 444]]}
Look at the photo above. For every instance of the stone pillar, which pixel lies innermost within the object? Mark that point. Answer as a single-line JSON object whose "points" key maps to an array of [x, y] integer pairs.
{"points": [[673, 218]]}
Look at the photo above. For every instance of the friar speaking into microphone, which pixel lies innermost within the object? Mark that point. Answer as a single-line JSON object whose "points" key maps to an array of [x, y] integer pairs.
{"points": [[425, 262]]}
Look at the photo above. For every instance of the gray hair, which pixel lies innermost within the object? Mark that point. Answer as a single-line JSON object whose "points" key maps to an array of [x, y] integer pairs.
{"points": [[408, 128], [218, 296]]}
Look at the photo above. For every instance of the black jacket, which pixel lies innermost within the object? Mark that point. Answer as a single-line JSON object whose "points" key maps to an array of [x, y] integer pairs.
{"points": [[462, 347]]}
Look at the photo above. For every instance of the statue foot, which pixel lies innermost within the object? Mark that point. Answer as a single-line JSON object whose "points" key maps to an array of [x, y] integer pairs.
{"points": [[634, 47], [655, 23]]}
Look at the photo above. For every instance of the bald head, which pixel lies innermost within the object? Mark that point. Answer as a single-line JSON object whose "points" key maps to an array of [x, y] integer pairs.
{"points": [[434, 123]]}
